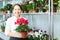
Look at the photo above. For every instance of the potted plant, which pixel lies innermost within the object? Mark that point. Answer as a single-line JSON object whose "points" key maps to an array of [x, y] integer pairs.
{"points": [[24, 8], [32, 7], [3, 28], [55, 5], [3, 10], [40, 4], [23, 27], [45, 9], [8, 7], [28, 6]]}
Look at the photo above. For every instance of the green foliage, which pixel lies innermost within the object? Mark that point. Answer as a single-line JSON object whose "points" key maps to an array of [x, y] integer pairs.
{"points": [[30, 6], [43, 37], [22, 28], [30, 37], [34, 5], [2, 27], [44, 3], [24, 8], [55, 4], [8, 6], [40, 3], [55, 39], [2, 9], [45, 8]]}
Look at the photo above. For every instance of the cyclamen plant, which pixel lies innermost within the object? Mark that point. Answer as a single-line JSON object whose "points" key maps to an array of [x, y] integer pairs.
{"points": [[23, 25]]}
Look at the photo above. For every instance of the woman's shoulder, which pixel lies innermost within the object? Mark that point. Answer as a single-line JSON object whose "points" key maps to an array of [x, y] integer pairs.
{"points": [[10, 18]]}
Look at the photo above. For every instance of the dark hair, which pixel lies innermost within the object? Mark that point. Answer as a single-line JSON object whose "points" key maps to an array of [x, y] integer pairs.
{"points": [[17, 5]]}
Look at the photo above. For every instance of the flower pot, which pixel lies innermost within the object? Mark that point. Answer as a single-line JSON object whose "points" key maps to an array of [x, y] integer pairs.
{"points": [[26, 11], [3, 30], [24, 34], [54, 9], [4, 12], [36, 10]]}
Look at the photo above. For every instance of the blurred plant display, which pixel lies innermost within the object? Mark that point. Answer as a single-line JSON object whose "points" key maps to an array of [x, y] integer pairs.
{"points": [[31, 6], [38, 35]]}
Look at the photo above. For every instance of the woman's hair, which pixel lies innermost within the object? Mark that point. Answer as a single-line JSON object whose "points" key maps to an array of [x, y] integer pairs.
{"points": [[17, 5]]}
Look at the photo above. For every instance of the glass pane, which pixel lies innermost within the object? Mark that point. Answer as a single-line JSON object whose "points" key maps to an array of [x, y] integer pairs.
{"points": [[56, 19], [1, 4]]}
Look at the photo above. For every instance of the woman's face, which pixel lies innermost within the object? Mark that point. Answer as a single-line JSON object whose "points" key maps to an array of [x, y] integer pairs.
{"points": [[16, 10]]}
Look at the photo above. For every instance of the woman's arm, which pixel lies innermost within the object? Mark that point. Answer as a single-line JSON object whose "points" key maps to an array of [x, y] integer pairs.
{"points": [[10, 34], [8, 30]]}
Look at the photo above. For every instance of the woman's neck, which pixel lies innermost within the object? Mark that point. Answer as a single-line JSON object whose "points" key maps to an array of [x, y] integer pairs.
{"points": [[17, 16]]}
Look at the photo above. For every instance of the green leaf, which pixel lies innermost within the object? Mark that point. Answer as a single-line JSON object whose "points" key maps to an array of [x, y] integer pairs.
{"points": [[2, 9], [8, 6], [22, 28]]}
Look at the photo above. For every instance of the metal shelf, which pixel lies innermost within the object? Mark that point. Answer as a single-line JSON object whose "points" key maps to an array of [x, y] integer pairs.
{"points": [[57, 13], [43, 13]]}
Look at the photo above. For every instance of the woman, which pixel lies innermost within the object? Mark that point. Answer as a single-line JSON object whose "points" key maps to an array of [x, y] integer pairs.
{"points": [[10, 26]]}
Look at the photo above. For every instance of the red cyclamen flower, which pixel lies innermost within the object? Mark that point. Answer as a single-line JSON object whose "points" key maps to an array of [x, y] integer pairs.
{"points": [[21, 21]]}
